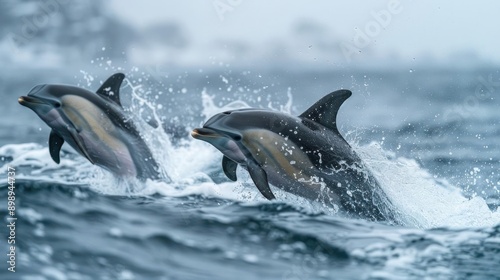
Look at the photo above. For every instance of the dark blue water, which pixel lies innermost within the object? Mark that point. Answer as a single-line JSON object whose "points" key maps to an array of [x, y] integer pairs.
{"points": [[430, 136]]}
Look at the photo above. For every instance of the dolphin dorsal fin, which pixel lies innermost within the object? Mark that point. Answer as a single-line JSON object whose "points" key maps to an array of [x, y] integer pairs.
{"points": [[325, 110], [111, 88]]}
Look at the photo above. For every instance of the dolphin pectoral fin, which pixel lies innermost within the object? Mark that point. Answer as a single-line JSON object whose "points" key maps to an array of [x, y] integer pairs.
{"points": [[229, 168], [111, 88], [259, 177], [55, 144], [325, 110]]}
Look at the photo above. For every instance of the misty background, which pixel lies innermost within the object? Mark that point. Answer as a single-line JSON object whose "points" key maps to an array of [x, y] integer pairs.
{"points": [[295, 35], [263, 34], [237, 49]]}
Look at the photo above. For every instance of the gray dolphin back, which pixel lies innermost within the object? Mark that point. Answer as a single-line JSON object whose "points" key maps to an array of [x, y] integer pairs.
{"points": [[95, 125], [144, 162]]}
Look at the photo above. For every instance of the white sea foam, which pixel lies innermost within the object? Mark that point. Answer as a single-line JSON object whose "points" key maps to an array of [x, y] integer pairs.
{"points": [[423, 200]]}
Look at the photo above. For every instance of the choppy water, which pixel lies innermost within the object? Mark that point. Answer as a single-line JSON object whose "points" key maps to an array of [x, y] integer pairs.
{"points": [[431, 137]]}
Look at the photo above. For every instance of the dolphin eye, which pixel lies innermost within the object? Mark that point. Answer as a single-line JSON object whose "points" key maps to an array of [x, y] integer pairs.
{"points": [[57, 105], [237, 137], [226, 113]]}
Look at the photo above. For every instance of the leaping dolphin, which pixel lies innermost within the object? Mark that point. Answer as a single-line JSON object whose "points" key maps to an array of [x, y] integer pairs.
{"points": [[95, 125], [303, 155]]}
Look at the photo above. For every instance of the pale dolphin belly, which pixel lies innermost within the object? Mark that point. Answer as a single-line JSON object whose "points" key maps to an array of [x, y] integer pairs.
{"points": [[288, 167], [100, 137]]}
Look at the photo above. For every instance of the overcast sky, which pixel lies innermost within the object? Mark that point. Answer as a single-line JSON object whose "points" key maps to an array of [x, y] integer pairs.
{"points": [[416, 29]]}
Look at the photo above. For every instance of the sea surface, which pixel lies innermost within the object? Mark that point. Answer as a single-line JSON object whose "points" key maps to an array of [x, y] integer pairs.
{"points": [[431, 137]]}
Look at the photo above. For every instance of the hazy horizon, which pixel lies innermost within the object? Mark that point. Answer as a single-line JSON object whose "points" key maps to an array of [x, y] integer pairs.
{"points": [[446, 32], [252, 34]]}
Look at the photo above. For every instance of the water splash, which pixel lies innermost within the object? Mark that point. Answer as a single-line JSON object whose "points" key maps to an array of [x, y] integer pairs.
{"points": [[188, 167], [426, 201], [210, 109]]}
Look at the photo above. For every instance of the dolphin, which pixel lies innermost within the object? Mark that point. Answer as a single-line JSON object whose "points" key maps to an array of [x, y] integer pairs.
{"points": [[305, 155], [95, 125]]}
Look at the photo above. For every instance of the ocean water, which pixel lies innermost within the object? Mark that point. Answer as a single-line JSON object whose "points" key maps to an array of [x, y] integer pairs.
{"points": [[430, 137]]}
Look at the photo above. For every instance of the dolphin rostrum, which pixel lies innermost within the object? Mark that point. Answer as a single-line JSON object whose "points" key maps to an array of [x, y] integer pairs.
{"points": [[304, 155], [95, 125]]}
